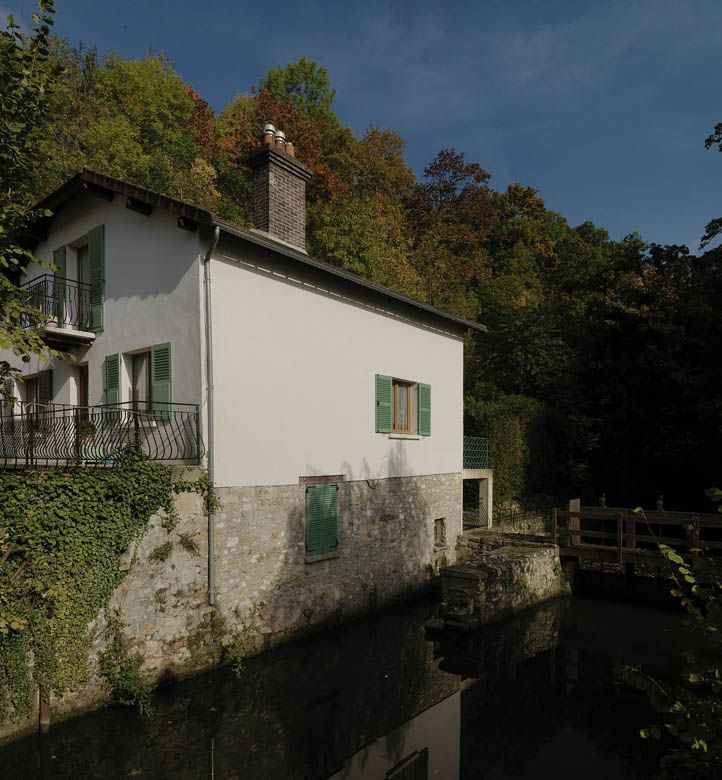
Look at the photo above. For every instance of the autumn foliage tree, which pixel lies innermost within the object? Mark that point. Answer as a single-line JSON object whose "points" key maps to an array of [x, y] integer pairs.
{"points": [[586, 334]]}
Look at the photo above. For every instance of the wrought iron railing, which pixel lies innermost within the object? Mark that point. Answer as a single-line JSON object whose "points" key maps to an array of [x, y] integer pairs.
{"points": [[65, 303], [476, 453], [99, 435]]}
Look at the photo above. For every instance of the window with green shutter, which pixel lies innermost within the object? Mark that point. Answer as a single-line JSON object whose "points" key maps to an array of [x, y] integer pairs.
{"points": [[402, 406], [321, 519], [96, 254]]}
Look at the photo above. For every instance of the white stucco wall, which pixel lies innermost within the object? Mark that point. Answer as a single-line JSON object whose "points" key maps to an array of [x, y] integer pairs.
{"points": [[294, 376], [152, 295]]}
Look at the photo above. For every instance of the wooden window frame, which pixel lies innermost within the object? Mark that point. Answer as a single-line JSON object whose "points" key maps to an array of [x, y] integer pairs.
{"points": [[396, 383]]}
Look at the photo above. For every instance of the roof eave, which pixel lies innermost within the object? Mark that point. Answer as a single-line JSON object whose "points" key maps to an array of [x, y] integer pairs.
{"points": [[312, 262]]}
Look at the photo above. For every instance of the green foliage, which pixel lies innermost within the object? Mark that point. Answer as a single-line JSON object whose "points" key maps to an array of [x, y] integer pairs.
{"points": [[505, 420], [235, 652], [62, 536], [189, 544], [121, 669], [161, 553], [27, 77], [305, 85], [691, 710], [135, 120]]}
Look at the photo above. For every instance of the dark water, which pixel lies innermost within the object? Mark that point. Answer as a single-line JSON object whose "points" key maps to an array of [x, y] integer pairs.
{"points": [[533, 697]]}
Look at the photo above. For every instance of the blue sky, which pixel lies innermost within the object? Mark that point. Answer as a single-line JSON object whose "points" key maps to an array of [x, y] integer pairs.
{"points": [[603, 106]]}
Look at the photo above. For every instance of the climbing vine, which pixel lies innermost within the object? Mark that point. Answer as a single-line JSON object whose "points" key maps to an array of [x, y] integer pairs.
{"points": [[62, 535]]}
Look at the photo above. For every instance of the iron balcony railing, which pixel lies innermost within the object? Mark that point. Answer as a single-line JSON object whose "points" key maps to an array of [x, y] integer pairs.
{"points": [[98, 435], [65, 303], [476, 453]]}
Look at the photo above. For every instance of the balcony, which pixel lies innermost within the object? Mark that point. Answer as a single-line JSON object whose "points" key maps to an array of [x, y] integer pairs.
{"points": [[98, 435], [65, 304], [476, 453]]}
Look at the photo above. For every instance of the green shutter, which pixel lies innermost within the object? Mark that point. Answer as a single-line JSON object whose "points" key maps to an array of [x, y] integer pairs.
{"points": [[161, 379], [329, 521], [384, 404], [45, 387], [424, 410], [314, 518], [321, 518], [112, 379], [96, 255], [59, 256]]}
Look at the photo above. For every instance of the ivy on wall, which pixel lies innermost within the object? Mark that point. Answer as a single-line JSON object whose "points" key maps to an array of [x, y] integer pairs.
{"points": [[62, 535]]}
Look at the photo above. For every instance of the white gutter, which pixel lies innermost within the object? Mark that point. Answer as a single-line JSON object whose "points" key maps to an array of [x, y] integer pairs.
{"points": [[209, 412]]}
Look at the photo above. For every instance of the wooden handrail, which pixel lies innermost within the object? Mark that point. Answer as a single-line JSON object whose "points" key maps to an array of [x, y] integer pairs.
{"points": [[624, 538]]}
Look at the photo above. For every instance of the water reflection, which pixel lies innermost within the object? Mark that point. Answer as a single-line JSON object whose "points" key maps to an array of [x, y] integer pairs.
{"points": [[533, 697]]}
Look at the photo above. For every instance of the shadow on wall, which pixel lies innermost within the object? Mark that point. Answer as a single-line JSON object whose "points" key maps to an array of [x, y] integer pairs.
{"points": [[268, 591]]}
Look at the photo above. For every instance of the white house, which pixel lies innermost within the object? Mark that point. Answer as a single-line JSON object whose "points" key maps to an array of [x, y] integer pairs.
{"points": [[328, 409]]}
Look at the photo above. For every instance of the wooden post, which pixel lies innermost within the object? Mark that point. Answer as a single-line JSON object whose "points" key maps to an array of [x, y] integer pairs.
{"points": [[575, 505], [554, 525], [695, 536], [631, 540], [620, 536]]}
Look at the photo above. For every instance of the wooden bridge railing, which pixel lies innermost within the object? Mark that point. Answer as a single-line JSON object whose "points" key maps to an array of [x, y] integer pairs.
{"points": [[625, 536]]}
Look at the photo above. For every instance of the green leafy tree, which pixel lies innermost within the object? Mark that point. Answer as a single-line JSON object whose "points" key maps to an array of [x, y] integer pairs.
{"points": [[136, 120], [27, 78], [306, 86]]}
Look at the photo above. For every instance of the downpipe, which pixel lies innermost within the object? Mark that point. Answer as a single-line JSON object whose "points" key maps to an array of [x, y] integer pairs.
{"points": [[209, 409]]}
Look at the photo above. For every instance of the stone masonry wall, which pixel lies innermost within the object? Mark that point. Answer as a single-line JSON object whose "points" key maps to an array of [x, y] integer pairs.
{"points": [[264, 588], [386, 549]]}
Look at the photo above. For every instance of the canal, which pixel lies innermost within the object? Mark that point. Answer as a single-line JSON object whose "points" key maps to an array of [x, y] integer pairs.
{"points": [[535, 696]]}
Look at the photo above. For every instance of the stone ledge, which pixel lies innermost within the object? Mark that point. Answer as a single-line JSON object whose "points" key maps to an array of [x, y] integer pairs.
{"points": [[322, 557]]}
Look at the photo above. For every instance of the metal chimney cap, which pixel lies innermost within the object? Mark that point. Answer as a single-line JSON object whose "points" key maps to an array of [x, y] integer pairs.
{"points": [[280, 134], [269, 128]]}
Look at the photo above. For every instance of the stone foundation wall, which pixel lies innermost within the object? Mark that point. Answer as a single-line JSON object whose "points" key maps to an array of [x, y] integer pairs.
{"points": [[498, 574], [265, 591], [386, 550]]}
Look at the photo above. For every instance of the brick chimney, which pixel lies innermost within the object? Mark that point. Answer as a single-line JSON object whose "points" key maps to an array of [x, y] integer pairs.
{"points": [[279, 190]]}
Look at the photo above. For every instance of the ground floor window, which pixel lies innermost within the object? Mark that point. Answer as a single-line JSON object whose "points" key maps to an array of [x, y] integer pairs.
{"points": [[321, 519]]}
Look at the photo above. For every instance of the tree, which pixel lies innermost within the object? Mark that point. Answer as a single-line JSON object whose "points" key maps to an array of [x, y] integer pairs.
{"points": [[136, 120], [27, 78], [306, 86], [362, 226], [451, 214], [713, 228]]}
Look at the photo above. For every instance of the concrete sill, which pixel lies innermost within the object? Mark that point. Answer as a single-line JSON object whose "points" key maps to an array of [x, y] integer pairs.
{"points": [[408, 436], [322, 557]]}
